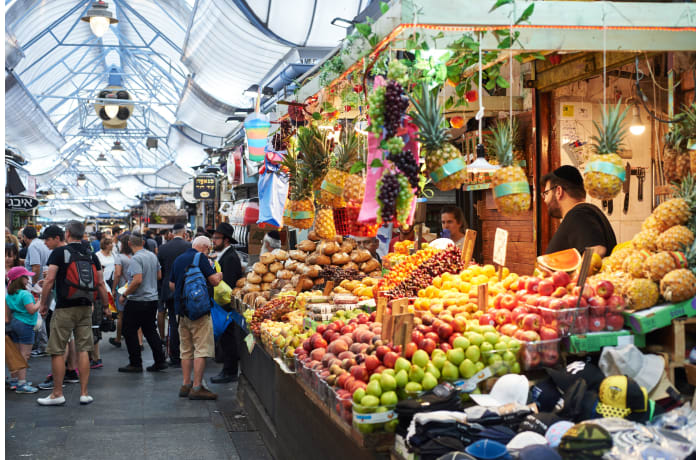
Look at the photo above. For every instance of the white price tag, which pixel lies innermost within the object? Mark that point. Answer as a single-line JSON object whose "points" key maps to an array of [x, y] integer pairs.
{"points": [[499, 247]]}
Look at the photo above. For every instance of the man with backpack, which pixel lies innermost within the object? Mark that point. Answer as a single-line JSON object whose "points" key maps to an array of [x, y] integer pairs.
{"points": [[140, 306], [192, 280], [78, 278]]}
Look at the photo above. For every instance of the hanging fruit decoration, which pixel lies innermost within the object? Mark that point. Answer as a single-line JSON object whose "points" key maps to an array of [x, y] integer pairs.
{"points": [[511, 191], [457, 122]]}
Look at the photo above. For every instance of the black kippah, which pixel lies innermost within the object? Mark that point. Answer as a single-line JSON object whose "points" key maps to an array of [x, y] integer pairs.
{"points": [[569, 174]]}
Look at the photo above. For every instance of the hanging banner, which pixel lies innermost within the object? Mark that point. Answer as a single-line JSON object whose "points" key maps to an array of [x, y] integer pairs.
{"points": [[204, 187]]}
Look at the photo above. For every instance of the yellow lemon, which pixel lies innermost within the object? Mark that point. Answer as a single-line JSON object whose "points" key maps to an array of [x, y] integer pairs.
{"points": [[488, 270]]}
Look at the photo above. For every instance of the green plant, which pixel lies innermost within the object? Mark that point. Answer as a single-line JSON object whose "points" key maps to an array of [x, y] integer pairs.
{"points": [[330, 70]]}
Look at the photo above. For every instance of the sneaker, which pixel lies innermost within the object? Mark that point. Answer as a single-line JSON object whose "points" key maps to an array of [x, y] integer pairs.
{"points": [[96, 364], [185, 390], [224, 377], [130, 368], [48, 384], [71, 377], [157, 367], [13, 385], [202, 393], [38, 353], [85, 400], [49, 401], [115, 342], [26, 389]]}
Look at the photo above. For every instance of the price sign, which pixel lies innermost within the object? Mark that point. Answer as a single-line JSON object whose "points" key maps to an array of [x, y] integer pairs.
{"points": [[205, 187], [499, 247]]}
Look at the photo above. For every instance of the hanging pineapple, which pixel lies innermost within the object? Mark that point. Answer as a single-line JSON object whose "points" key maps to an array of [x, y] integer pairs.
{"points": [[510, 188], [354, 188], [325, 225], [313, 153], [605, 171], [444, 162], [290, 165], [678, 161], [301, 201], [346, 154]]}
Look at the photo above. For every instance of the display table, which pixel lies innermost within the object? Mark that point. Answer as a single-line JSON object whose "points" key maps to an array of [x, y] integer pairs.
{"points": [[293, 421]]}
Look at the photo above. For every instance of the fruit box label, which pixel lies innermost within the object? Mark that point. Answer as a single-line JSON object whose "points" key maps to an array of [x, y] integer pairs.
{"points": [[377, 417]]}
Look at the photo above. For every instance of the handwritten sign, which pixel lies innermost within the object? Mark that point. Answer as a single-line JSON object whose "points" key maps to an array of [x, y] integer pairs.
{"points": [[499, 246], [204, 187]]}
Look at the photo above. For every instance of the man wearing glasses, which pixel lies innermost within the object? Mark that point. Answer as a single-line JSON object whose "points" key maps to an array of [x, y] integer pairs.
{"points": [[582, 224]]}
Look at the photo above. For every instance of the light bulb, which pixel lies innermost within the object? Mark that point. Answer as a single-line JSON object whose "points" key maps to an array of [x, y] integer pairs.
{"points": [[99, 25], [637, 127], [111, 110]]}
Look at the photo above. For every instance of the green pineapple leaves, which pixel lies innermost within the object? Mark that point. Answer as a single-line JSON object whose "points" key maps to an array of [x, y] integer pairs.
{"points": [[610, 131]]}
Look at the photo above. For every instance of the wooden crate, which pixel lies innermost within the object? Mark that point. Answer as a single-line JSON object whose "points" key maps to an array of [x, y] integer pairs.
{"points": [[673, 339], [690, 373]]}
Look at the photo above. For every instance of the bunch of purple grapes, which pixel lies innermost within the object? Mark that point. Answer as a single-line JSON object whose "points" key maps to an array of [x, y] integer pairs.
{"points": [[387, 194], [395, 105], [407, 164]]}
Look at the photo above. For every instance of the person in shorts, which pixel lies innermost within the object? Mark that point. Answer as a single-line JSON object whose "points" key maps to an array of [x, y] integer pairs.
{"points": [[72, 315], [21, 328]]}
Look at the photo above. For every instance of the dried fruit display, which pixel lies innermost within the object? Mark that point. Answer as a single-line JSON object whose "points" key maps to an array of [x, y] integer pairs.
{"points": [[447, 261]]}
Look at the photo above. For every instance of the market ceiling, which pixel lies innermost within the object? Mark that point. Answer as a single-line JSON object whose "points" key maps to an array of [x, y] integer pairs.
{"points": [[185, 65]]}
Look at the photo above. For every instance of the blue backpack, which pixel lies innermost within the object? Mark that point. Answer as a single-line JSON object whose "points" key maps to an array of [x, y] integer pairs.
{"points": [[195, 298]]}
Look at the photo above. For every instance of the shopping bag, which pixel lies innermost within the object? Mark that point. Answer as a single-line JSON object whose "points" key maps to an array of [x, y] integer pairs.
{"points": [[13, 358], [222, 293], [272, 195], [220, 319]]}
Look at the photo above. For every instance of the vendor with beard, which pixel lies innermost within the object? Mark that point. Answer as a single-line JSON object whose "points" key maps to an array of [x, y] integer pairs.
{"points": [[582, 224]]}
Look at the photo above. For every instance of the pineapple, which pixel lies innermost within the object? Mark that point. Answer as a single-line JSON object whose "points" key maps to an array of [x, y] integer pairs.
{"points": [[689, 254], [313, 153], [605, 172], [614, 261], [511, 191], [678, 285], [675, 238], [346, 153], [325, 225], [683, 164], [634, 263], [678, 210], [650, 223], [444, 162], [302, 206], [676, 158], [672, 150], [641, 293], [657, 265], [646, 239], [354, 189]]}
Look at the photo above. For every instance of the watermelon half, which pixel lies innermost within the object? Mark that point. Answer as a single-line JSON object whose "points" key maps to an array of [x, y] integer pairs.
{"points": [[567, 260]]}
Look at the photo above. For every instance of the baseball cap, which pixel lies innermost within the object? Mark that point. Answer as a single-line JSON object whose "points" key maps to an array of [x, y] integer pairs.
{"points": [[29, 232], [546, 395], [16, 272], [539, 423], [578, 403], [52, 231], [538, 452], [565, 377], [556, 431], [486, 449], [585, 440], [526, 438], [628, 360], [510, 388], [621, 396], [570, 174]]}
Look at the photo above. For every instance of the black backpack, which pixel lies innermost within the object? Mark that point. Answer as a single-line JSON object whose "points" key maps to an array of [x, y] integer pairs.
{"points": [[80, 281]]}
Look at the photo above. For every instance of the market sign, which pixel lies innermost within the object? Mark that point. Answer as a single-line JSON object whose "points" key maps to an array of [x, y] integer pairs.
{"points": [[20, 203], [204, 187]]}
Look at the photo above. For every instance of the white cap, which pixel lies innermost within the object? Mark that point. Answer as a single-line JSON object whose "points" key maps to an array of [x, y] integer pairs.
{"points": [[511, 388], [526, 438]]}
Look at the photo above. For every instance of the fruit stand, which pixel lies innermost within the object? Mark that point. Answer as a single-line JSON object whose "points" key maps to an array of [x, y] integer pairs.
{"points": [[345, 343]]}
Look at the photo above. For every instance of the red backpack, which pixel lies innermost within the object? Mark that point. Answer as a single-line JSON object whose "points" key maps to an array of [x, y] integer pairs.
{"points": [[81, 275]]}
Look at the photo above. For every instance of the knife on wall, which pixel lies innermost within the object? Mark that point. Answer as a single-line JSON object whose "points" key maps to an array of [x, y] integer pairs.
{"points": [[626, 188]]}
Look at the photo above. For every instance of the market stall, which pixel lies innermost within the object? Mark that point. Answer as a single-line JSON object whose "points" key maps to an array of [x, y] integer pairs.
{"points": [[366, 349]]}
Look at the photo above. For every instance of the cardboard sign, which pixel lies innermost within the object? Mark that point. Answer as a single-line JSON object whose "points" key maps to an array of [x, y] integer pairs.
{"points": [[499, 246], [468, 247]]}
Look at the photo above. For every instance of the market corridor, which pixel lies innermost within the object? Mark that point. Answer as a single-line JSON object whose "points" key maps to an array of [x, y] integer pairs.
{"points": [[134, 416]]}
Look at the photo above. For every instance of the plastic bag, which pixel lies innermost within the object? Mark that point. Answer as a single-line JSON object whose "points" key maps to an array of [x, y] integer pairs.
{"points": [[220, 320], [222, 291], [272, 192]]}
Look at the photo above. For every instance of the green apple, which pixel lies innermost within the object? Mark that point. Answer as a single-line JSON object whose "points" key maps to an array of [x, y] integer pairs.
{"points": [[450, 372], [487, 328], [461, 342], [436, 352], [401, 378], [473, 353], [375, 377], [514, 345], [420, 358], [439, 360], [365, 428], [429, 381], [500, 347], [508, 357], [402, 393], [391, 372], [495, 359], [369, 401], [515, 368], [467, 369], [475, 339], [486, 347], [416, 375], [413, 388], [455, 356], [389, 398], [390, 427], [479, 366], [387, 382], [491, 337], [358, 395], [433, 370], [402, 364], [474, 327], [374, 388]]}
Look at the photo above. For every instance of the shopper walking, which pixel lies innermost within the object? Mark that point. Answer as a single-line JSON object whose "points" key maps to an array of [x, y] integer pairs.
{"points": [[37, 256], [124, 255], [140, 306], [24, 318], [196, 337], [111, 270], [166, 256], [73, 315], [232, 272]]}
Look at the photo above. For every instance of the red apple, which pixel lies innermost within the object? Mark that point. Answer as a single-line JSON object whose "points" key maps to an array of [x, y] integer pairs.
{"points": [[531, 358], [502, 316], [587, 291], [560, 291], [519, 319], [319, 343], [530, 336], [557, 304], [532, 322], [306, 345], [532, 285], [597, 306], [486, 319], [428, 345], [614, 321], [596, 323], [433, 336], [372, 316], [508, 329], [416, 336], [532, 299], [543, 301], [363, 318], [520, 295], [546, 287], [445, 331], [560, 279], [604, 288], [521, 283], [518, 310], [381, 351], [497, 301], [359, 372], [616, 303], [379, 369], [453, 337], [422, 328], [547, 333], [509, 301], [410, 349], [371, 362], [445, 346], [390, 359], [459, 324], [427, 318]]}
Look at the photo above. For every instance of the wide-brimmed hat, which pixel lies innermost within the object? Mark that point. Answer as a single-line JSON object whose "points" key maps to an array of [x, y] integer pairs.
{"points": [[225, 229], [511, 388], [628, 360]]}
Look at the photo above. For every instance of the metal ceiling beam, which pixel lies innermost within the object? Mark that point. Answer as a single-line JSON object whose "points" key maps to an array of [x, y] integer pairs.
{"points": [[84, 4], [148, 23]]}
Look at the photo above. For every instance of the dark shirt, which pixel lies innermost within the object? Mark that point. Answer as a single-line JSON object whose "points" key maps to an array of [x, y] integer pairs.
{"points": [[58, 258], [166, 256], [180, 266], [151, 245], [231, 269], [23, 252], [583, 226]]}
